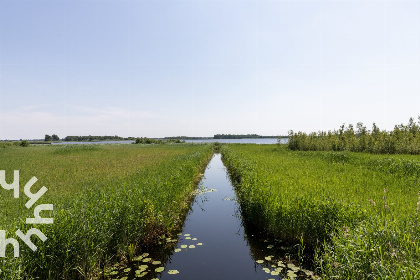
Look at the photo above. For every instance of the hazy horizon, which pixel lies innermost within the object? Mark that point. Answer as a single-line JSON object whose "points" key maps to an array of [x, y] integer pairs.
{"points": [[204, 67]]}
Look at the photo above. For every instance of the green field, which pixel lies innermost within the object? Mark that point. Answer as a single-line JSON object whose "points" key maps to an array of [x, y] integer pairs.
{"points": [[356, 213], [109, 201]]}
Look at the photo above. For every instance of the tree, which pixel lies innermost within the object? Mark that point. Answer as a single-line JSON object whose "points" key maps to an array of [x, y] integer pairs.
{"points": [[55, 137], [24, 143], [47, 138]]}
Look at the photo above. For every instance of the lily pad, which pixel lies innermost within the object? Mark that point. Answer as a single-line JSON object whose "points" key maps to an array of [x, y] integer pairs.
{"points": [[145, 255], [143, 267], [199, 244], [177, 250], [184, 246], [187, 234], [191, 247], [160, 269], [156, 262], [259, 261], [266, 270], [146, 260], [127, 269], [291, 274], [188, 237], [270, 246], [173, 271], [142, 274], [194, 238]]}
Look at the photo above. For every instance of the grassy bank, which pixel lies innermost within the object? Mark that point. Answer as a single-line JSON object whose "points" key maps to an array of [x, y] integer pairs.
{"points": [[108, 200], [335, 203]]}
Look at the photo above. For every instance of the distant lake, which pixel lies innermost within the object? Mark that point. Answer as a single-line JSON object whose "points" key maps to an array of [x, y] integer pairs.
{"points": [[243, 141]]}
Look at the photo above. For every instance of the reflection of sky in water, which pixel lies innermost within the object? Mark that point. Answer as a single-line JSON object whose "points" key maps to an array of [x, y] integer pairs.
{"points": [[215, 222]]}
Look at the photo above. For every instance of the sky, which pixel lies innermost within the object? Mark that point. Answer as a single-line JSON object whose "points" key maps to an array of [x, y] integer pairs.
{"points": [[152, 68]]}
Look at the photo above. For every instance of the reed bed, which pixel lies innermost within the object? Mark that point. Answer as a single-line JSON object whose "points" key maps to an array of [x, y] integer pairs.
{"points": [[109, 201], [355, 213]]}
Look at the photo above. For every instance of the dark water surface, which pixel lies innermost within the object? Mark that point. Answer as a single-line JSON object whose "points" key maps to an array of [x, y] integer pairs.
{"points": [[215, 222], [214, 244]]}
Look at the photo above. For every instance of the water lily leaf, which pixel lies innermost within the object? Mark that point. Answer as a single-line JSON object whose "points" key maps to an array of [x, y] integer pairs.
{"points": [[270, 246], [293, 267], [187, 237], [194, 238], [259, 261], [160, 269], [145, 255], [268, 258], [173, 271], [308, 272], [274, 273], [199, 244], [146, 260], [143, 267], [291, 274], [266, 270], [138, 258], [113, 272], [187, 234], [191, 246], [142, 274], [177, 250], [127, 269], [184, 246], [156, 262]]}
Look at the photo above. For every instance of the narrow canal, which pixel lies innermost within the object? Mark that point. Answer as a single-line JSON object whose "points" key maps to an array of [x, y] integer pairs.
{"points": [[214, 243]]}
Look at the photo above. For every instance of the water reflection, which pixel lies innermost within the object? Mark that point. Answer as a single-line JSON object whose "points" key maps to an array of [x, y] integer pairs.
{"points": [[214, 243]]}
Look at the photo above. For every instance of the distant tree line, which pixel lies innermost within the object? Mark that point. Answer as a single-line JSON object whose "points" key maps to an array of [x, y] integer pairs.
{"points": [[145, 140], [404, 139], [95, 138], [53, 137], [240, 136]]}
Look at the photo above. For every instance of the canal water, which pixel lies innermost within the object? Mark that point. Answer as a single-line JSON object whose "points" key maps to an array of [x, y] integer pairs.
{"points": [[214, 244]]}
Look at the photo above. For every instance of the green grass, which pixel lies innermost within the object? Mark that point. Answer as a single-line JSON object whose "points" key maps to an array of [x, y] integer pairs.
{"points": [[108, 199], [323, 198]]}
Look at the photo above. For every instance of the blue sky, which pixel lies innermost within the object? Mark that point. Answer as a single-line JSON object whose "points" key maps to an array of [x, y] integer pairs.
{"points": [[202, 67]]}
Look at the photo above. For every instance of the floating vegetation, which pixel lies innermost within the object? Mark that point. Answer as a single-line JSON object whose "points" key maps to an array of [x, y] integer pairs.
{"points": [[199, 244], [268, 258], [270, 246], [159, 269], [184, 246], [203, 191], [156, 262], [172, 271], [191, 246], [259, 261], [146, 260]]}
